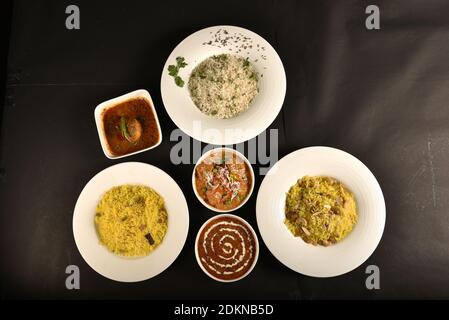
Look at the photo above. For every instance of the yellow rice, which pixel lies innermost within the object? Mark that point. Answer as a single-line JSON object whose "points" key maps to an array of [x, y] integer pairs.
{"points": [[131, 220]]}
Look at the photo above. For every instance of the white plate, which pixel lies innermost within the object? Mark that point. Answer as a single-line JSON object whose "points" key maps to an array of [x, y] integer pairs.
{"points": [[245, 126], [130, 269], [318, 261]]}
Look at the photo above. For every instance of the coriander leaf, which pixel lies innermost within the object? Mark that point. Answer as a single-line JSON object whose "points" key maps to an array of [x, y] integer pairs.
{"points": [[180, 61], [179, 82], [172, 70]]}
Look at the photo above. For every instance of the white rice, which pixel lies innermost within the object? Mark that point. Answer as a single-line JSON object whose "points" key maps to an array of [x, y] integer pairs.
{"points": [[223, 86]]}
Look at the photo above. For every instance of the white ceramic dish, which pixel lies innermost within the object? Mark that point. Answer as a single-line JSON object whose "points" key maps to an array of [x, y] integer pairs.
{"points": [[98, 256], [255, 239], [318, 261], [263, 109], [98, 113], [241, 156]]}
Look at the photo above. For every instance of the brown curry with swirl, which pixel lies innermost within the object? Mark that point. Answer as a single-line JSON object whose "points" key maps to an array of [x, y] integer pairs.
{"points": [[227, 248]]}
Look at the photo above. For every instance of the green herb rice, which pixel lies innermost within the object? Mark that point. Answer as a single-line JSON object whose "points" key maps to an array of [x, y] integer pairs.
{"points": [[223, 86]]}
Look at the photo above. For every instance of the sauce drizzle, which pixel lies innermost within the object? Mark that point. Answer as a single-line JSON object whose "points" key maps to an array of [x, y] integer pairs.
{"points": [[227, 248]]}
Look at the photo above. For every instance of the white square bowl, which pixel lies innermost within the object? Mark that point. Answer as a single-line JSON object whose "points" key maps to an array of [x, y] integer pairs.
{"points": [[99, 111]]}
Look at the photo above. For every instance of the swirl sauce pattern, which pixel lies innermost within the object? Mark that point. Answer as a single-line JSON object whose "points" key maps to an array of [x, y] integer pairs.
{"points": [[227, 248]]}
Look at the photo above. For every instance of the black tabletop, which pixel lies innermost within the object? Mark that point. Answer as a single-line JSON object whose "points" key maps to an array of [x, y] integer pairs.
{"points": [[381, 95]]}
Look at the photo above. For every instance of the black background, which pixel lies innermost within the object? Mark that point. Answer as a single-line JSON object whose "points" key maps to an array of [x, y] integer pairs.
{"points": [[381, 95]]}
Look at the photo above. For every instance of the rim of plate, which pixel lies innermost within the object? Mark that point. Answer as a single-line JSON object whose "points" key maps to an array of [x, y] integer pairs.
{"points": [[243, 127], [256, 241], [318, 261], [125, 269]]}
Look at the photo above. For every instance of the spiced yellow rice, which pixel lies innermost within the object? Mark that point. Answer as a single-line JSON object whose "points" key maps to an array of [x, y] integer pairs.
{"points": [[320, 210], [131, 220]]}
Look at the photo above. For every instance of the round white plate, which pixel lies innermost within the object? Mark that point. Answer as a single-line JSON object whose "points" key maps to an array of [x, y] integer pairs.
{"points": [[107, 263], [261, 113], [319, 261]]}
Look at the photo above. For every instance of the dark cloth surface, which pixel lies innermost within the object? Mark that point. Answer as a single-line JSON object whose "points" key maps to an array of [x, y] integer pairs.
{"points": [[380, 95]]}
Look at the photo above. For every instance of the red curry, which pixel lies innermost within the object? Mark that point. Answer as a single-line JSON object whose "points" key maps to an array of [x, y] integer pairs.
{"points": [[130, 126], [223, 180]]}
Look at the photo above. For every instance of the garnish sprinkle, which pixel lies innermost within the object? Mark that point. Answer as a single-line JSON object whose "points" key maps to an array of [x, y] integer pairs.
{"points": [[174, 69]]}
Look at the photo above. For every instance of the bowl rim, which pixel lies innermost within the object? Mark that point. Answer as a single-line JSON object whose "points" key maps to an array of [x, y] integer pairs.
{"points": [[98, 115], [204, 156], [256, 240]]}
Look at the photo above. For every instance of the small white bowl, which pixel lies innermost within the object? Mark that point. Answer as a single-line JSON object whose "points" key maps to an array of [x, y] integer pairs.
{"points": [[98, 113], [255, 240], [204, 156]]}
